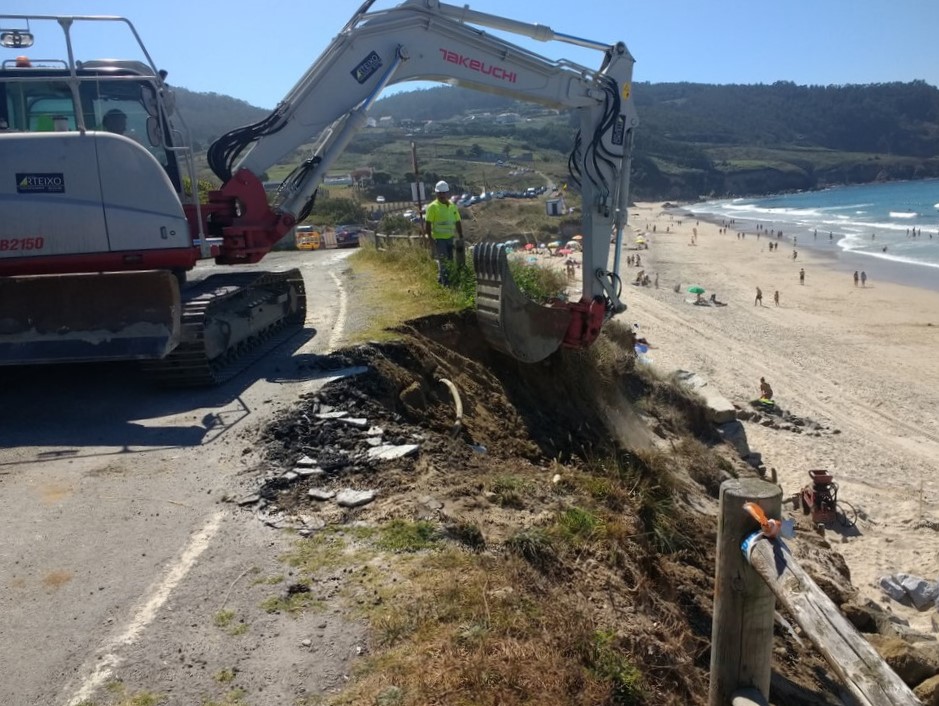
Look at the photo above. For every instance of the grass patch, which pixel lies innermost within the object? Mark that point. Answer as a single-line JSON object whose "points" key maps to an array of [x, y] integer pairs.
{"points": [[468, 534], [235, 697], [535, 546], [268, 580], [612, 664], [328, 549], [405, 288], [509, 491], [226, 676], [292, 603], [577, 526], [116, 690], [404, 536], [476, 629], [223, 618]]}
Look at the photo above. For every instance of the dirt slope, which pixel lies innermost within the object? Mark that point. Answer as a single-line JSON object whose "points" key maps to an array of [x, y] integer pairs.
{"points": [[555, 546]]}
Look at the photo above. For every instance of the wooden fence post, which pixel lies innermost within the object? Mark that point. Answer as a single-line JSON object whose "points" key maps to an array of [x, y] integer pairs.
{"points": [[742, 629]]}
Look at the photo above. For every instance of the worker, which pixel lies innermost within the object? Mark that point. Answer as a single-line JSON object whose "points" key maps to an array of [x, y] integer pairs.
{"points": [[766, 392], [442, 223], [115, 121]]}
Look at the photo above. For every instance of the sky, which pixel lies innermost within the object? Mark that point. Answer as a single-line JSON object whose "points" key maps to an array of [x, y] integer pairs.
{"points": [[257, 51]]}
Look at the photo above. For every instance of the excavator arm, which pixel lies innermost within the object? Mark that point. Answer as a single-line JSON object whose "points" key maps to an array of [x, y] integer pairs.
{"points": [[429, 40]]}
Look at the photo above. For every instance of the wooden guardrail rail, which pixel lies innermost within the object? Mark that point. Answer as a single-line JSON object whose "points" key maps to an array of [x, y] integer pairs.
{"points": [[746, 588], [383, 240]]}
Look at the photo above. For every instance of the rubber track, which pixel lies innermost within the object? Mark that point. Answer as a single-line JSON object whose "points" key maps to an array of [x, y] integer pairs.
{"points": [[188, 365]]}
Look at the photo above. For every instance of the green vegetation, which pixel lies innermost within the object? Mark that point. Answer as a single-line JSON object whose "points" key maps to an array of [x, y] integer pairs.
{"points": [[336, 211], [292, 603], [118, 695], [405, 287], [693, 139], [404, 536], [235, 697]]}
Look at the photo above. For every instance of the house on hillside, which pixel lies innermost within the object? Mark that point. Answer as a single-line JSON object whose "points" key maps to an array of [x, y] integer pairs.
{"points": [[361, 174], [386, 121]]}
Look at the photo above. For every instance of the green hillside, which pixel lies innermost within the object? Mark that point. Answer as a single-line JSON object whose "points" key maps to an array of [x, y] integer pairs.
{"points": [[693, 139]]}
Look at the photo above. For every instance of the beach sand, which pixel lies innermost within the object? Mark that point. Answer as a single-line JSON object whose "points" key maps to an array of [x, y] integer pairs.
{"points": [[860, 361]]}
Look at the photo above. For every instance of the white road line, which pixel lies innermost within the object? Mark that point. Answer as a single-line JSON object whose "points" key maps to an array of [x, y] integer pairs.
{"points": [[338, 329], [147, 610]]}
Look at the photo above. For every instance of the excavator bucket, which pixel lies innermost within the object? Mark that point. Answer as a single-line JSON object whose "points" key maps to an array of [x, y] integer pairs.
{"points": [[509, 320], [88, 317]]}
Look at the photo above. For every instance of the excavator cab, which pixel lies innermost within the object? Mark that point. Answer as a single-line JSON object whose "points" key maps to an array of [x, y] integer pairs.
{"points": [[90, 188]]}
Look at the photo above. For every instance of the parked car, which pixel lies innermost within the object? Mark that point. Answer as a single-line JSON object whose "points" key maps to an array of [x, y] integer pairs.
{"points": [[347, 236], [380, 199]]}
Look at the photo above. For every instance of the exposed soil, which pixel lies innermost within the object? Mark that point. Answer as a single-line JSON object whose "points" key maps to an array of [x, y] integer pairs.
{"points": [[534, 444]]}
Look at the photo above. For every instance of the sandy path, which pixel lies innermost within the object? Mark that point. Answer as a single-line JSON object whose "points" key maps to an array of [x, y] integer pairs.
{"points": [[858, 360]]}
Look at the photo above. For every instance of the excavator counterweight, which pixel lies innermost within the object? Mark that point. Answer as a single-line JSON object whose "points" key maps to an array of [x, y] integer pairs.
{"points": [[88, 317]]}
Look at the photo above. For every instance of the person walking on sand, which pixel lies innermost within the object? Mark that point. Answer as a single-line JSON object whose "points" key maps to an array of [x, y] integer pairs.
{"points": [[802, 275], [759, 297], [776, 297], [863, 279], [855, 278]]}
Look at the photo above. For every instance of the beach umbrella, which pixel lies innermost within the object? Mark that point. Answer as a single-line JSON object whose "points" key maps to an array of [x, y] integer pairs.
{"points": [[529, 246], [578, 237], [695, 289], [640, 240], [554, 244], [565, 251]]}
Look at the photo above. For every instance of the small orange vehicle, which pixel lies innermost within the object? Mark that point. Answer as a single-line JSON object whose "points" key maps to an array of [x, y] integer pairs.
{"points": [[308, 238]]}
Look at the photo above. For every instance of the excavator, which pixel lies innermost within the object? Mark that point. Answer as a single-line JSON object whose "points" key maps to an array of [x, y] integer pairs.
{"points": [[103, 225]]}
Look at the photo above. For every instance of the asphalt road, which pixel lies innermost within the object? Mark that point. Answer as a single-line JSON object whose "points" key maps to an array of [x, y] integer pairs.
{"points": [[112, 500]]}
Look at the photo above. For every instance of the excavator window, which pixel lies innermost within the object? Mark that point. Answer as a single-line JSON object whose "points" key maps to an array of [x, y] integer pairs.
{"points": [[41, 106]]}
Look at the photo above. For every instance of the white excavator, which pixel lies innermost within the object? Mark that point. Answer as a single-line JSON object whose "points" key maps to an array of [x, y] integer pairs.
{"points": [[102, 228]]}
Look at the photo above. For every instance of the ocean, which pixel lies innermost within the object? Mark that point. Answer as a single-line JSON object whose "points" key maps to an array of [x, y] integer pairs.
{"points": [[891, 228]]}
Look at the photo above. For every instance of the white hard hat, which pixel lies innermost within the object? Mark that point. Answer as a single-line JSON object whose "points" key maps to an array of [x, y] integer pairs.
{"points": [[442, 186]]}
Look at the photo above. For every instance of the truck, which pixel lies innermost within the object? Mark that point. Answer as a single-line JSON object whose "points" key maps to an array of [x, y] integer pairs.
{"points": [[104, 223]]}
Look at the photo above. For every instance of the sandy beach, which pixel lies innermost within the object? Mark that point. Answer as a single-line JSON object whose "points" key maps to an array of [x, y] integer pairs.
{"points": [[858, 360]]}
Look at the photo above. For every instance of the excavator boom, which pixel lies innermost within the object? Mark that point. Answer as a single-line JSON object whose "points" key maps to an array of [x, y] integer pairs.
{"points": [[430, 40], [83, 205]]}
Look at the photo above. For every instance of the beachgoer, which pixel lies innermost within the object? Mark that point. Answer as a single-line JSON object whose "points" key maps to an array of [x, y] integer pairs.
{"points": [[759, 297], [656, 280], [776, 297], [863, 279], [766, 392], [855, 278], [795, 254], [802, 275]]}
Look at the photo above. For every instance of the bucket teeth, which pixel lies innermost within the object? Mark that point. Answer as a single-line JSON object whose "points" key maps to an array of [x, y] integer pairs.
{"points": [[509, 321]]}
